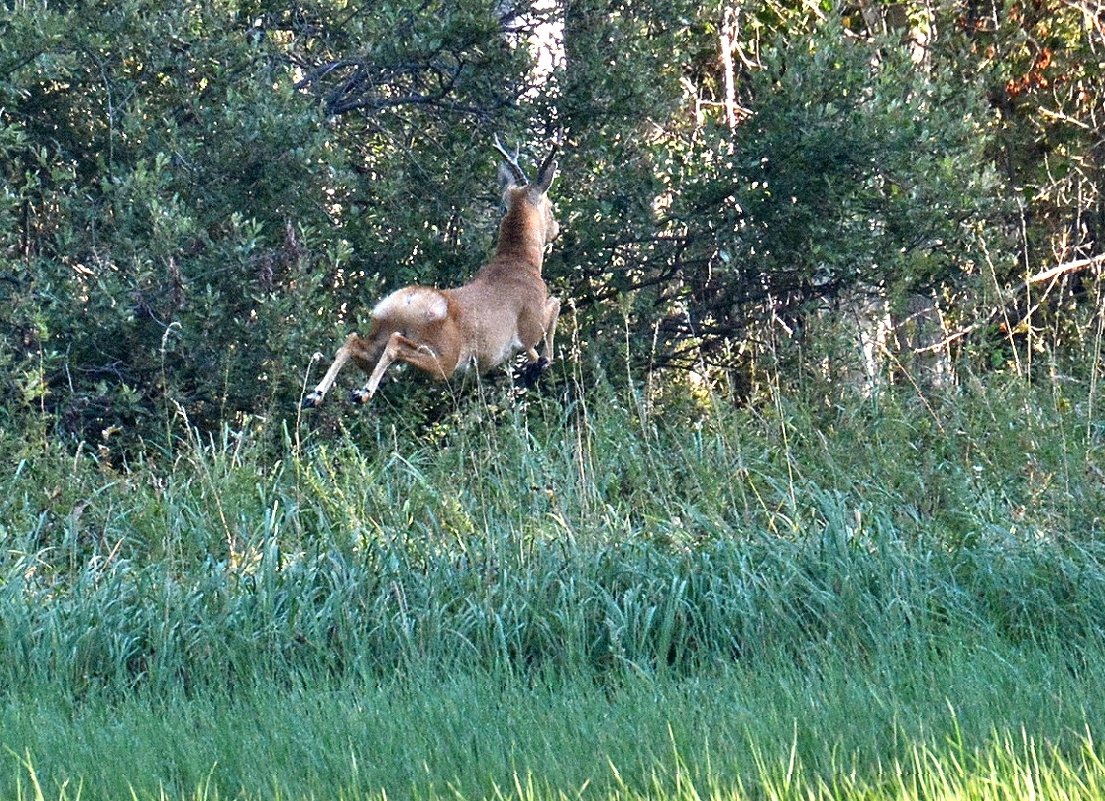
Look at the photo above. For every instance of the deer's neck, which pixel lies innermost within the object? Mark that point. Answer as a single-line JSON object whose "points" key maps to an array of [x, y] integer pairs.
{"points": [[522, 236]]}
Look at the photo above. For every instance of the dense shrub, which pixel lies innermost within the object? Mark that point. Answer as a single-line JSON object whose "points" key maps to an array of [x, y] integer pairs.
{"points": [[193, 200]]}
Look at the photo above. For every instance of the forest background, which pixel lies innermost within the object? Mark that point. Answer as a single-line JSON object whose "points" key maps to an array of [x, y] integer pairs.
{"points": [[197, 199]]}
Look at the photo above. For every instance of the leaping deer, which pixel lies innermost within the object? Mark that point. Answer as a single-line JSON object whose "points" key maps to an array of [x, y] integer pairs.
{"points": [[504, 309]]}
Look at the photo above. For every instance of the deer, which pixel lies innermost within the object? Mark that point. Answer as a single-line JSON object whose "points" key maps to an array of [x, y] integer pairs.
{"points": [[506, 307]]}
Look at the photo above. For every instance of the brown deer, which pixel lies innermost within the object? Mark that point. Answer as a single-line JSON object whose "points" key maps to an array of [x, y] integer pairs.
{"points": [[504, 309]]}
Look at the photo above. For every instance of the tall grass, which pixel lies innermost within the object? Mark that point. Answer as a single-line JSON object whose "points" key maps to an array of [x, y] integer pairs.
{"points": [[855, 590], [549, 537]]}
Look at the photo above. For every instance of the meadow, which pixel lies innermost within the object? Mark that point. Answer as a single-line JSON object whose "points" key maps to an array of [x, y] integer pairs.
{"points": [[610, 594]]}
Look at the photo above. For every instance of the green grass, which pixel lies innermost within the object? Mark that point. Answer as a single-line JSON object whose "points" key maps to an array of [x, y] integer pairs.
{"points": [[897, 598], [830, 724]]}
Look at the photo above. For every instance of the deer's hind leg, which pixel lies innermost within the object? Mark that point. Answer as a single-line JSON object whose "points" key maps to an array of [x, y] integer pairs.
{"points": [[403, 349], [355, 349]]}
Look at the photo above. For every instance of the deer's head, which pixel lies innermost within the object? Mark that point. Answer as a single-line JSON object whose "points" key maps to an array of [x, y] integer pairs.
{"points": [[518, 189]]}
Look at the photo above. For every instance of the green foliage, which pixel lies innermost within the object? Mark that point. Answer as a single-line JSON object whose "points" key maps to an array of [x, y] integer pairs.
{"points": [[165, 221], [182, 217], [145, 302], [196, 199], [855, 173]]}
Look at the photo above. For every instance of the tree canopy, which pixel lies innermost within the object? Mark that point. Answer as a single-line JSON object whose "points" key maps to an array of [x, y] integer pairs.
{"points": [[196, 198]]}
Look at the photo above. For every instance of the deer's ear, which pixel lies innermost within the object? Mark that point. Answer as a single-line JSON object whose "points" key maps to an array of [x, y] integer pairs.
{"points": [[506, 177], [546, 176], [547, 172]]}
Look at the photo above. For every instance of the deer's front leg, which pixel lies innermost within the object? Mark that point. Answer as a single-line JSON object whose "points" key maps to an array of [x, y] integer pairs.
{"points": [[539, 364], [552, 314]]}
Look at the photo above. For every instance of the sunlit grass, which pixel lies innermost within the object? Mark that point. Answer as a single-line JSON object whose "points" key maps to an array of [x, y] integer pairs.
{"points": [[884, 599], [997, 724]]}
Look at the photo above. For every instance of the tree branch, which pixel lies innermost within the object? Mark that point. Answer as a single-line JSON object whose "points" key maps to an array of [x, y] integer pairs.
{"points": [[1076, 266]]}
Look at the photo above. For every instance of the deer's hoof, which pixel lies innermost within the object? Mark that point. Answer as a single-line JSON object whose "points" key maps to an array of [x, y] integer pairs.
{"points": [[359, 396], [531, 372], [310, 400]]}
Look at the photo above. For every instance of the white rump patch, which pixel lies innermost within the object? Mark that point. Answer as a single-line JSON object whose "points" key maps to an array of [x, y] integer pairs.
{"points": [[436, 306], [413, 300]]}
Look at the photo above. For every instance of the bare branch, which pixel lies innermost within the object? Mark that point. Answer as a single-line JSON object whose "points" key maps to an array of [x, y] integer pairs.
{"points": [[1063, 269]]}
